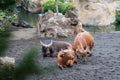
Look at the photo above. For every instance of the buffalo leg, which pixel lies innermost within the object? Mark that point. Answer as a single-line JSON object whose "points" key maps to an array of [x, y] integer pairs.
{"points": [[70, 63], [91, 48], [83, 57]]}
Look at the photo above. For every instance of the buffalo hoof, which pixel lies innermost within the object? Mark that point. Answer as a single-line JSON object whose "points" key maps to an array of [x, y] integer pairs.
{"points": [[75, 62], [78, 56], [89, 55], [84, 62], [70, 65], [60, 67]]}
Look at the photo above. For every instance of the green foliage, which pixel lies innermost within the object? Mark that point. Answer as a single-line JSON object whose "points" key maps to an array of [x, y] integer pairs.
{"points": [[117, 0], [6, 3], [62, 1], [6, 17], [49, 5], [117, 28], [118, 17], [12, 17], [29, 65], [2, 29], [5, 34], [2, 15], [63, 7]]}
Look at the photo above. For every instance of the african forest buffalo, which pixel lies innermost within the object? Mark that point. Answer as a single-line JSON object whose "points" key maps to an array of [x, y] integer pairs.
{"points": [[66, 58], [83, 44], [51, 47]]}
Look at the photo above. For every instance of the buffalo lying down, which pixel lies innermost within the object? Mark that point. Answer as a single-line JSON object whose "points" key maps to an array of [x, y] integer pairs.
{"points": [[51, 47], [66, 58]]}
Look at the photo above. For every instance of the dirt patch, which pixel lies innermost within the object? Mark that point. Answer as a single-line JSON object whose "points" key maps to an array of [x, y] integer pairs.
{"points": [[24, 33], [104, 64]]}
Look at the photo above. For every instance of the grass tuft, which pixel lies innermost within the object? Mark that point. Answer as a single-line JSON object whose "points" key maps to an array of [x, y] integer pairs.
{"points": [[28, 65]]}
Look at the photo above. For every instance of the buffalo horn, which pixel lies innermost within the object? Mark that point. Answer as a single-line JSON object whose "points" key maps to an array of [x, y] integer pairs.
{"points": [[46, 45]]}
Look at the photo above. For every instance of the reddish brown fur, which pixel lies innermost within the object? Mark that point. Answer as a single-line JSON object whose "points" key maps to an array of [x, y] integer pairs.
{"points": [[64, 58], [82, 41]]}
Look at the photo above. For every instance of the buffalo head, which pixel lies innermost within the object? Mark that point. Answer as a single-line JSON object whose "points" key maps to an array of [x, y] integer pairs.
{"points": [[83, 53], [47, 48], [66, 54], [65, 58]]}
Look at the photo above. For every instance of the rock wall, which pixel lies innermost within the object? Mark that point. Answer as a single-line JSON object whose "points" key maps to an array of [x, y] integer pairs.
{"points": [[95, 12]]}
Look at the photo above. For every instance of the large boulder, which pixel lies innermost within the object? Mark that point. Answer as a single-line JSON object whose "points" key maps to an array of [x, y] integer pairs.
{"points": [[95, 12], [57, 25], [7, 68]]}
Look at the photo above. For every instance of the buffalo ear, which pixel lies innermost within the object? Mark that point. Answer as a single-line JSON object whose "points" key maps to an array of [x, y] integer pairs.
{"points": [[65, 52], [62, 50]]}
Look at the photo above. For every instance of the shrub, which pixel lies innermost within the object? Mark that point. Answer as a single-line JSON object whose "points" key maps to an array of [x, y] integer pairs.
{"points": [[2, 15], [29, 66], [117, 28], [118, 17], [62, 0], [65, 7], [6, 18], [50, 5]]}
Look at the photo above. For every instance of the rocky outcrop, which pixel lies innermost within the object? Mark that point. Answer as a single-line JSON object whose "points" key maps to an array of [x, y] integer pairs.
{"points": [[53, 25], [117, 6], [95, 12], [33, 6]]}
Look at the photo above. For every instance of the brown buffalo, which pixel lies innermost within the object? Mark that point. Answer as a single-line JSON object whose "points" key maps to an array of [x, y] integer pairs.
{"points": [[51, 47], [66, 58], [83, 44]]}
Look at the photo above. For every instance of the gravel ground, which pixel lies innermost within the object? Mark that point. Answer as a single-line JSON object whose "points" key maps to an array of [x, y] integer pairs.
{"points": [[104, 64]]}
